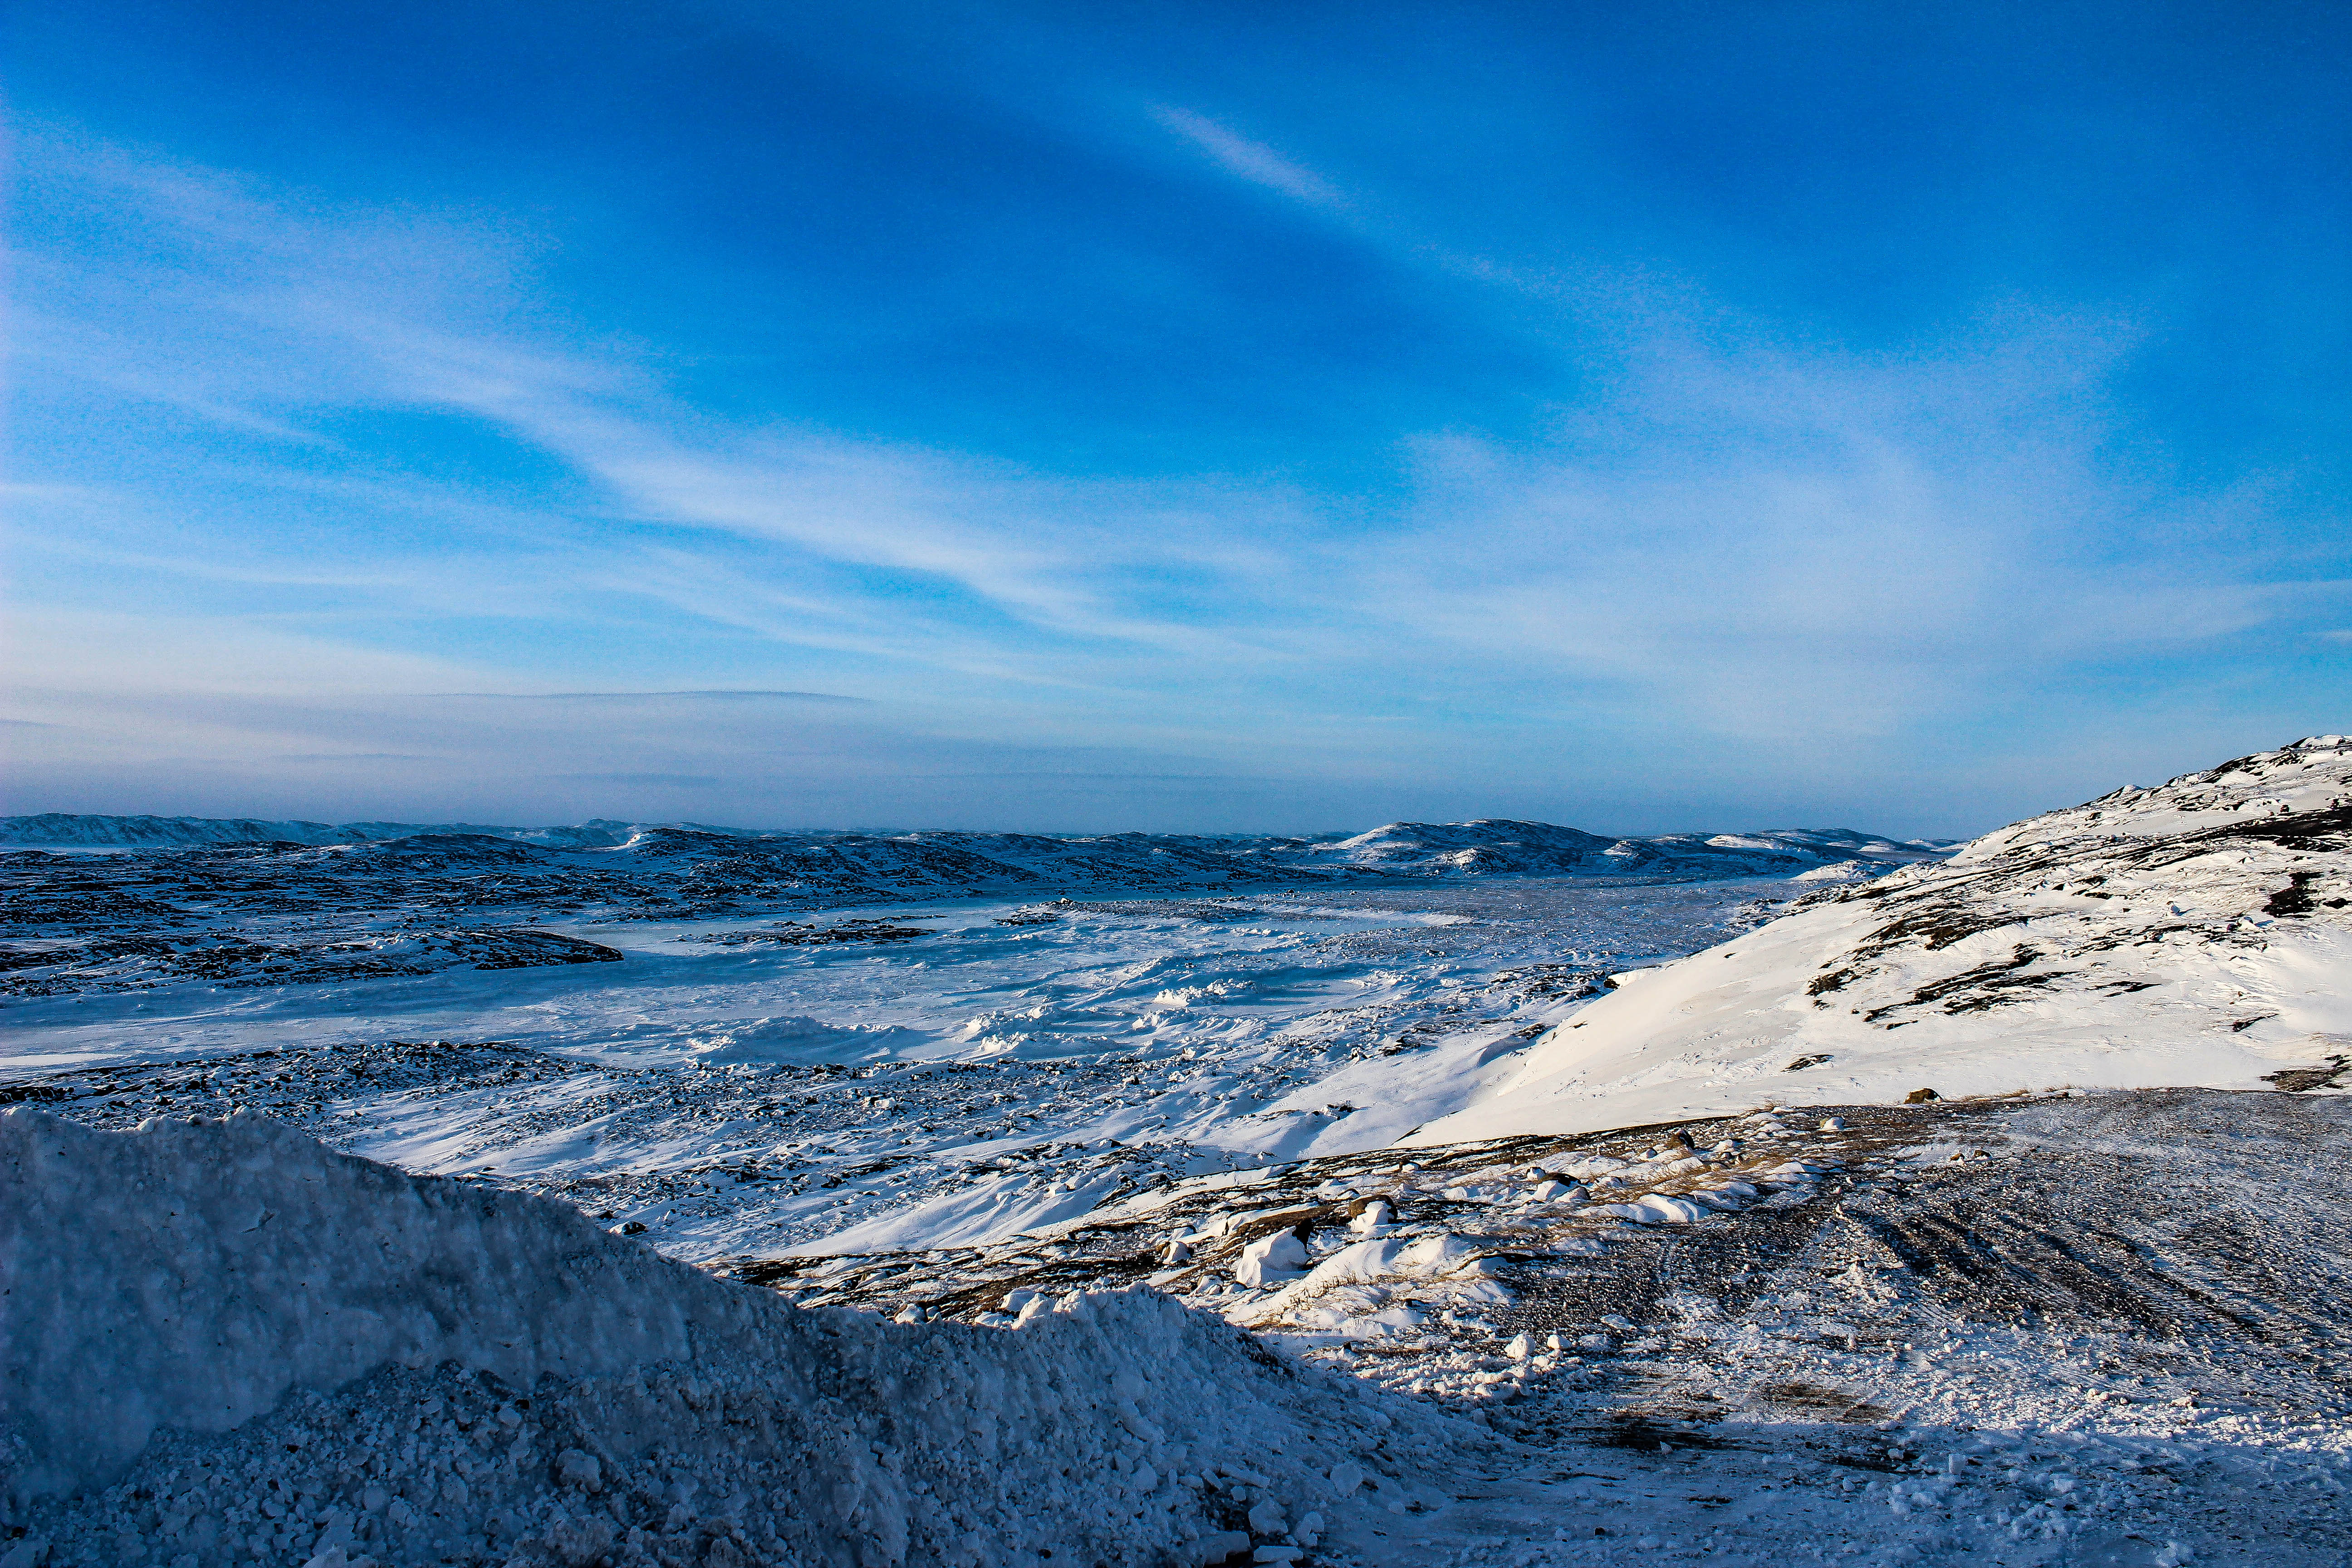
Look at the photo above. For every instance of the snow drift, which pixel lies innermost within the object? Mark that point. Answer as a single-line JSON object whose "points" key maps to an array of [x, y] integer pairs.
{"points": [[261, 1347], [2197, 933]]}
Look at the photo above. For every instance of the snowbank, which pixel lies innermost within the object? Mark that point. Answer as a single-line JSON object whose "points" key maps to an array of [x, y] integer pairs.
{"points": [[261, 1347]]}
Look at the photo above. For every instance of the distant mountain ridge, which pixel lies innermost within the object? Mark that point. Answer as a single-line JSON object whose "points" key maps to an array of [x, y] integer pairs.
{"points": [[1493, 847], [908, 862], [62, 830]]}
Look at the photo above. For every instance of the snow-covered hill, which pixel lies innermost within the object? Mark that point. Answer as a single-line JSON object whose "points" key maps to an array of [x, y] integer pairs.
{"points": [[2197, 932]]}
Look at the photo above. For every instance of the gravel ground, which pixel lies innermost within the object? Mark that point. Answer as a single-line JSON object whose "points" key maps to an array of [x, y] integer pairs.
{"points": [[2081, 1329]]}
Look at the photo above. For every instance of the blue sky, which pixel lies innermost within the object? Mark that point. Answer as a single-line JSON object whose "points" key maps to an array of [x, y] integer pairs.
{"points": [[1185, 416]]}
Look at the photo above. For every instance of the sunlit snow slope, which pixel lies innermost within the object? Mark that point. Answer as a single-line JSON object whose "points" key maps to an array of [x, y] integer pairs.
{"points": [[2195, 933]]}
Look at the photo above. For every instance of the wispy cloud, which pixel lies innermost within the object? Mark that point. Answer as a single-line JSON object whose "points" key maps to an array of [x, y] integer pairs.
{"points": [[656, 696], [659, 781], [1773, 540], [1255, 162], [1722, 535]]}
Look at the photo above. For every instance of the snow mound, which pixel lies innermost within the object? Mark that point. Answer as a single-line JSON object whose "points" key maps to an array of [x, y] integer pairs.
{"points": [[2195, 933], [261, 1347]]}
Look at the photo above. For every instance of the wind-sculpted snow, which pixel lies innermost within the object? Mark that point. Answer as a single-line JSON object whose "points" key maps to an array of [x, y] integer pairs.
{"points": [[2198, 932], [293, 1352]]}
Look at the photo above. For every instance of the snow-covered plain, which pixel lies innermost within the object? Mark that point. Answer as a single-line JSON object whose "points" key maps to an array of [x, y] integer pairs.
{"points": [[1360, 1107], [994, 1067]]}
